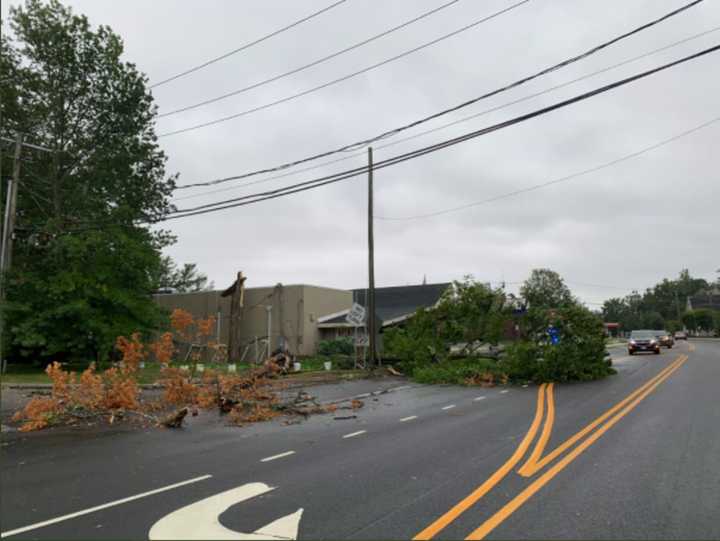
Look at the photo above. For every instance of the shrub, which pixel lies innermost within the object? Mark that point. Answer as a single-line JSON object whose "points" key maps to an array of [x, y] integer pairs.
{"points": [[338, 346]]}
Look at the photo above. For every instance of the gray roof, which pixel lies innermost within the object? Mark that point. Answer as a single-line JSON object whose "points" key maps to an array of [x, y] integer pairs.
{"points": [[705, 300], [397, 301]]}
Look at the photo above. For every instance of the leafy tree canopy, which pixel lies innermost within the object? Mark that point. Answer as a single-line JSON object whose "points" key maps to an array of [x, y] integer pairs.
{"points": [[185, 279], [546, 289], [85, 260]]}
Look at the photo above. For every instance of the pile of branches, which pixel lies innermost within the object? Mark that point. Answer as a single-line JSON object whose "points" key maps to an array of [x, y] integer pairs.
{"points": [[114, 395], [254, 396]]}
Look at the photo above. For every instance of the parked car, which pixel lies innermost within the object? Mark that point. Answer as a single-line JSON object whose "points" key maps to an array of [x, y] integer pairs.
{"points": [[680, 335], [643, 341], [666, 339]]}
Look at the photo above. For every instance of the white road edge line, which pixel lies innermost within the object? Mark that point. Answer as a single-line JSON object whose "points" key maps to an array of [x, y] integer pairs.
{"points": [[103, 506], [505, 391], [451, 406], [275, 457], [401, 388], [479, 398], [353, 434], [404, 419]]}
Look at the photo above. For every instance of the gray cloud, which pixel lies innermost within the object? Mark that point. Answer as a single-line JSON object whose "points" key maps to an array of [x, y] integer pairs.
{"points": [[627, 226]]}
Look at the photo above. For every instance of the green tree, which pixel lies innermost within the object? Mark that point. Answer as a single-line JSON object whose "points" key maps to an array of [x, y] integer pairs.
{"points": [[690, 321], [653, 320], [470, 313], [579, 354], [185, 279], [546, 289], [703, 319], [84, 265]]}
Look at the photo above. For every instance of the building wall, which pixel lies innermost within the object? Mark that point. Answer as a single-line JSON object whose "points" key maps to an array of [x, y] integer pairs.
{"points": [[318, 302], [295, 309]]}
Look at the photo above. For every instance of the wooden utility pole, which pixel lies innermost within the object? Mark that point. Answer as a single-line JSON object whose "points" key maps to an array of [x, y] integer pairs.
{"points": [[371, 266], [7, 238]]}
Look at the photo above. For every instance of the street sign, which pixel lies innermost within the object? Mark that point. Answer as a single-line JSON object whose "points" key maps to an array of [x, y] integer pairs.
{"points": [[554, 335], [356, 315]]}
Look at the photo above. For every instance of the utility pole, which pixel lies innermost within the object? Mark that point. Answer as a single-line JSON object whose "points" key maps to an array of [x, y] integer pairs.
{"points": [[371, 265], [7, 238], [269, 327]]}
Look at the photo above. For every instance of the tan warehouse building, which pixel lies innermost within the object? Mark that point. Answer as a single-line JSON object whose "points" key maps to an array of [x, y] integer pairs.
{"points": [[294, 311]]}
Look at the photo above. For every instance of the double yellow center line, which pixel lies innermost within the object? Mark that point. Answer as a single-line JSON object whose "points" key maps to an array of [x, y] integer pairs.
{"points": [[535, 463]]}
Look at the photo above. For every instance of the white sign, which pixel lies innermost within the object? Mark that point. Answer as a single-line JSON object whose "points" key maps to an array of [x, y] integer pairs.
{"points": [[356, 315], [199, 520]]}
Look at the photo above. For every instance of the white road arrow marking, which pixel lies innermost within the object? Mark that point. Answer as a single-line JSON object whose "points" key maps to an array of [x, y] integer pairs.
{"points": [[200, 520]]}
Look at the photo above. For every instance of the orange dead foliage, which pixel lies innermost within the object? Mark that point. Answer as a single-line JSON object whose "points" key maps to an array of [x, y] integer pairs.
{"points": [[132, 350], [163, 348], [205, 327], [181, 321]]}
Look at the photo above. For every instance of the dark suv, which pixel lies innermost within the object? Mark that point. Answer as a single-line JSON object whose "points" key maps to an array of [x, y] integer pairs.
{"points": [[666, 339], [643, 341]]}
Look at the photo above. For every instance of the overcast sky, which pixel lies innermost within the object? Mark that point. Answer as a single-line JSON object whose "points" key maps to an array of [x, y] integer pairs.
{"points": [[608, 232]]}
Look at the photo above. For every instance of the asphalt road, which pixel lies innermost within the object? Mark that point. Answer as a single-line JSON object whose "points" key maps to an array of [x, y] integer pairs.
{"points": [[434, 462]]}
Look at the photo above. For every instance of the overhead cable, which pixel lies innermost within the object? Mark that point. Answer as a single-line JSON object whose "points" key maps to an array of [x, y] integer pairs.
{"points": [[247, 45], [467, 103], [311, 64], [557, 180], [345, 77], [455, 122], [315, 183]]}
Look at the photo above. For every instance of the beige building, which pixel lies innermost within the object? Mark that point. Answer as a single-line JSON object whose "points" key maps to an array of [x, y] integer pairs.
{"points": [[293, 316]]}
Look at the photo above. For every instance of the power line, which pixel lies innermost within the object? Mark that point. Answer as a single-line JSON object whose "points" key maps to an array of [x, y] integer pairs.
{"points": [[29, 145], [557, 180], [467, 103], [248, 45], [311, 64], [461, 120], [350, 75], [315, 183]]}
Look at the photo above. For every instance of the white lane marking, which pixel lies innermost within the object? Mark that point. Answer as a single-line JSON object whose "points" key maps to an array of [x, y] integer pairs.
{"points": [[404, 419], [505, 391], [451, 406], [479, 398], [401, 388], [363, 395], [353, 434], [103, 506], [275, 457], [199, 520]]}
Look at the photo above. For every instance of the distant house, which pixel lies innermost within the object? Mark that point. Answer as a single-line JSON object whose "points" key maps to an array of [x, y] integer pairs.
{"points": [[392, 306], [706, 299]]}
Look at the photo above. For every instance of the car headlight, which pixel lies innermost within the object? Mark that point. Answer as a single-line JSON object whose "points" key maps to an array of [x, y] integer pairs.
{"points": [[632, 342], [653, 342]]}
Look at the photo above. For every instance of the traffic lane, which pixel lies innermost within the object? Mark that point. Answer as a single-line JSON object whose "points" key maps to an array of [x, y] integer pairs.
{"points": [[654, 475], [135, 462], [342, 485], [59, 449], [576, 405], [438, 394]]}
